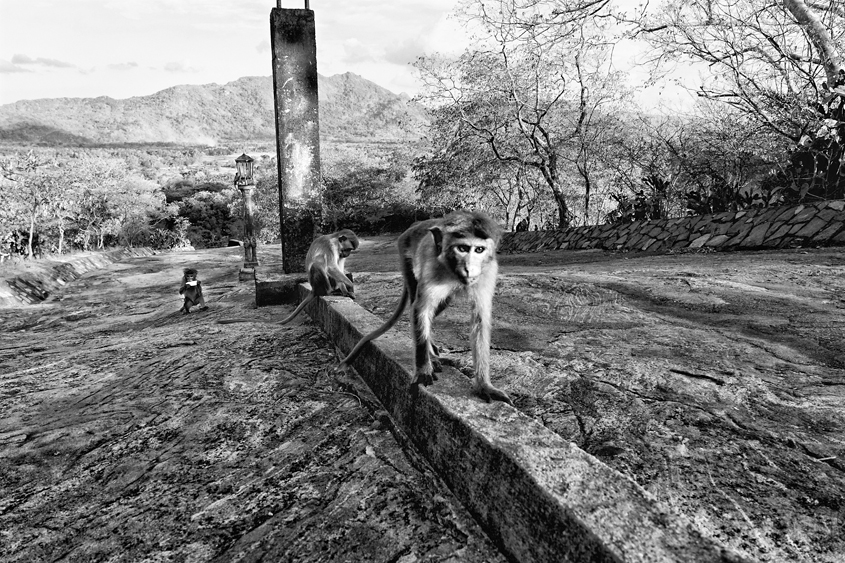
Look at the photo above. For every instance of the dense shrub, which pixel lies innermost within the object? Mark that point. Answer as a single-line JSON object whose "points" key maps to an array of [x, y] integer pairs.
{"points": [[369, 200], [210, 217]]}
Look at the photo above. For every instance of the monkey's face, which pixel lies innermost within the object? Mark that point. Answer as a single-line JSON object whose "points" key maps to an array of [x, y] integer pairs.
{"points": [[346, 242], [467, 258]]}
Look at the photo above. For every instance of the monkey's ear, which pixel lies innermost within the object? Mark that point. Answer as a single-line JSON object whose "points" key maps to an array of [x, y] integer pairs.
{"points": [[438, 239]]}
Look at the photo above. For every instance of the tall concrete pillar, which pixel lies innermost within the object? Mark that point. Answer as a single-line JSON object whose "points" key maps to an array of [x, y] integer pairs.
{"points": [[294, 45]]}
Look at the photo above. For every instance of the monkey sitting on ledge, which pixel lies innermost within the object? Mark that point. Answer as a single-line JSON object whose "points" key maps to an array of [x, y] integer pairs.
{"points": [[441, 258], [325, 264]]}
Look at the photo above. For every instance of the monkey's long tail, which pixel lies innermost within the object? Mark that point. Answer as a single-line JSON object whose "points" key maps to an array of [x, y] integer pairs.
{"points": [[298, 310], [377, 332]]}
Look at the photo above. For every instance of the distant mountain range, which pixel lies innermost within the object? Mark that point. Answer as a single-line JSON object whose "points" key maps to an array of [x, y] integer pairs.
{"points": [[351, 109]]}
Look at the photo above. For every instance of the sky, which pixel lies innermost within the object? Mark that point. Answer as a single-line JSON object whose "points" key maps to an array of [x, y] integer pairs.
{"points": [[121, 49]]}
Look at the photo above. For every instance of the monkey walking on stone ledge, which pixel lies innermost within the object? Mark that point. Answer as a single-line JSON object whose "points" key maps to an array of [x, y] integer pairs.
{"points": [[191, 290], [325, 264], [439, 259]]}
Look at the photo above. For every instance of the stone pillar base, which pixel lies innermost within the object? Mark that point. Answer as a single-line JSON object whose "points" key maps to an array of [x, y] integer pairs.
{"points": [[246, 274]]}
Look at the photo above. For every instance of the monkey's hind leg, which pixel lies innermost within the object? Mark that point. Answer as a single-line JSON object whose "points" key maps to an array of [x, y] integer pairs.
{"points": [[421, 318], [434, 354]]}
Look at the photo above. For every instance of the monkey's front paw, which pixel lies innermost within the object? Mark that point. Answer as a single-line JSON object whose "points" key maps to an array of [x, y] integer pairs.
{"points": [[424, 378]]}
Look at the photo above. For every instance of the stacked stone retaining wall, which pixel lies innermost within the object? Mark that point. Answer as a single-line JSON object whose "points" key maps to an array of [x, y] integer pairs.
{"points": [[817, 224]]}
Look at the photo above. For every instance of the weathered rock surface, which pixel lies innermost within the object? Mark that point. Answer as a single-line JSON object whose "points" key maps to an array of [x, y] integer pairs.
{"points": [[714, 380], [129, 432]]}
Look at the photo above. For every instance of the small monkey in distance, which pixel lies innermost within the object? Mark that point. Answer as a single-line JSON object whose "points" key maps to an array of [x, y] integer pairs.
{"points": [[325, 264], [440, 258], [191, 290]]}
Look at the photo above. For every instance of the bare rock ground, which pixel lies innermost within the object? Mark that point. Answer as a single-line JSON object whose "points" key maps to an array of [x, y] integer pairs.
{"points": [[129, 432], [715, 380]]}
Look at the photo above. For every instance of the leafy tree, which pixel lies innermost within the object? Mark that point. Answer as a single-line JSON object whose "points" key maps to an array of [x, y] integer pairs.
{"points": [[720, 159], [30, 192], [134, 207], [643, 205], [639, 148], [368, 199], [95, 181], [266, 207], [61, 211], [210, 216], [779, 65], [512, 91], [773, 62], [535, 92], [467, 177]]}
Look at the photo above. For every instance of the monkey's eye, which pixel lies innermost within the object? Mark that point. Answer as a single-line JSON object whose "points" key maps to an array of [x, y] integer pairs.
{"points": [[341, 238], [479, 249], [463, 248]]}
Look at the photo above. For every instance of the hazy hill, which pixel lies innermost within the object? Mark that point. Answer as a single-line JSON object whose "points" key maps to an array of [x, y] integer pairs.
{"points": [[351, 108]]}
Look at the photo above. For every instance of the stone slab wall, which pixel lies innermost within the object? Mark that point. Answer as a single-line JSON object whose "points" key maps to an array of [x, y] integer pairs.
{"points": [[539, 497], [817, 224]]}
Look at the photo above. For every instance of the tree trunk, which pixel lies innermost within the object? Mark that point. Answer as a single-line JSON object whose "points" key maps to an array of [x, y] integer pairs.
{"points": [[818, 34], [549, 172], [31, 230], [61, 238], [588, 187], [562, 210]]}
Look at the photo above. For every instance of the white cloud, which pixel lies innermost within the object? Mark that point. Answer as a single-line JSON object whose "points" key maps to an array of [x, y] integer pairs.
{"points": [[122, 49], [123, 66], [179, 66], [20, 59], [7, 67]]}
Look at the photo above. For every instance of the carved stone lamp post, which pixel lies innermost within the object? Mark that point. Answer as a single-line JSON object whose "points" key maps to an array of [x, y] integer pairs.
{"points": [[245, 183]]}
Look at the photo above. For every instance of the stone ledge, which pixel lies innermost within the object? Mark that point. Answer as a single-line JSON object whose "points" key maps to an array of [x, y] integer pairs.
{"points": [[277, 290], [538, 497]]}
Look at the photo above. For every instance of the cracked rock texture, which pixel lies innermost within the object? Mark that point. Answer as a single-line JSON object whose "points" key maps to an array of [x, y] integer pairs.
{"points": [[715, 380], [129, 432]]}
